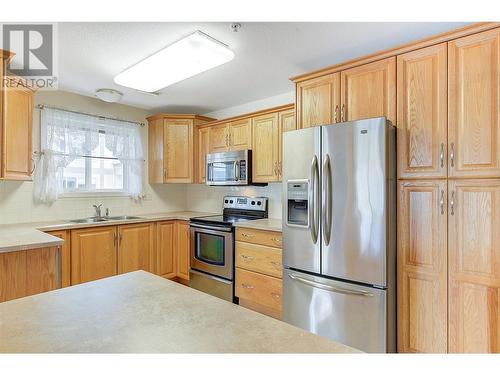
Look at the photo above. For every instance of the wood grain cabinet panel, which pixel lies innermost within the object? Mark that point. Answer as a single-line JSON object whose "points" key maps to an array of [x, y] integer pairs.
{"points": [[318, 101], [183, 249], [165, 249], [178, 150], [17, 128], [260, 237], [240, 134], [265, 156], [202, 149], [155, 151], [474, 272], [65, 249], [12, 275], [422, 113], [369, 91], [93, 254], [219, 138], [136, 247], [422, 267], [474, 122], [286, 121], [261, 259]]}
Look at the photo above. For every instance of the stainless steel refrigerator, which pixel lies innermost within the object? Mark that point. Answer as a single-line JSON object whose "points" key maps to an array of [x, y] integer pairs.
{"points": [[339, 232]]}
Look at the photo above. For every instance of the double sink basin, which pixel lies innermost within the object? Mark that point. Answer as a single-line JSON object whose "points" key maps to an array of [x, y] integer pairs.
{"points": [[103, 219]]}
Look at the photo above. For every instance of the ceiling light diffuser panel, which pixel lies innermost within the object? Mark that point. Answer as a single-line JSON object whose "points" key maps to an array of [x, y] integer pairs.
{"points": [[185, 58]]}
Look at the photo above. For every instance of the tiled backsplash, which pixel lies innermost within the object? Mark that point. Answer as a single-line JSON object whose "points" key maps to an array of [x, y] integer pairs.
{"points": [[209, 198]]}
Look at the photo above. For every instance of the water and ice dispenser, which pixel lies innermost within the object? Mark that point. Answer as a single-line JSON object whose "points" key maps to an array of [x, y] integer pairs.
{"points": [[298, 203]]}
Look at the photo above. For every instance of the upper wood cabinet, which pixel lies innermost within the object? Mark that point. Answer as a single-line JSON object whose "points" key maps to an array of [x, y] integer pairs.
{"points": [[286, 120], [422, 113], [474, 101], [166, 249], [318, 101], [171, 147], [202, 148], [422, 267], [266, 143], [474, 272], [16, 159], [182, 245], [93, 254], [229, 136], [136, 247], [369, 91], [219, 138]]}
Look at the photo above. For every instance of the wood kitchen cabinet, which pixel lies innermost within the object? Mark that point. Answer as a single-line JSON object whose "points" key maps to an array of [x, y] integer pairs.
{"points": [[202, 148], [136, 247], [474, 259], [473, 107], [318, 101], [286, 120], [27, 272], [422, 266], [422, 113], [183, 249], [166, 259], [171, 147], [93, 253], [16, 159], [266, 146], [65, 249], [231, 136], [369, 91]]}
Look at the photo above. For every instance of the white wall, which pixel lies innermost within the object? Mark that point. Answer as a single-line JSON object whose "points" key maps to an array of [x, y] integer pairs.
{"points": [[16, 200]]}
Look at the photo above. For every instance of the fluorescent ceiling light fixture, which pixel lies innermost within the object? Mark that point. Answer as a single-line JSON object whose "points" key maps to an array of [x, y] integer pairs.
{"points": [[185, 58]]}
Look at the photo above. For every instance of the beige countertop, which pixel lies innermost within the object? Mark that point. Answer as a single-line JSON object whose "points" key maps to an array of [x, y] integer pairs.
{"points": [[263, 224], [24, 236], [142, 313]]}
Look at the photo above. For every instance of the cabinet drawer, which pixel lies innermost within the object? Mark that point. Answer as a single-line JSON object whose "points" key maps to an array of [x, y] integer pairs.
{"points": [[258, 258], [264, 293], [259, 237]]}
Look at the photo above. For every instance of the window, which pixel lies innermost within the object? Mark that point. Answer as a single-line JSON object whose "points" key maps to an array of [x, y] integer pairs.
{"points": [[83, 154]]}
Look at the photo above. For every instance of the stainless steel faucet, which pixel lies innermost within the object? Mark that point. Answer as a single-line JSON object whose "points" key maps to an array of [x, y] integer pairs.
{"points": [[97, 210]]}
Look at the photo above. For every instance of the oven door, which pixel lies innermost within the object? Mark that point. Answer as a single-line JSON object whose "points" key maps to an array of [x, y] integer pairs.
{"points": [[212, 250]]}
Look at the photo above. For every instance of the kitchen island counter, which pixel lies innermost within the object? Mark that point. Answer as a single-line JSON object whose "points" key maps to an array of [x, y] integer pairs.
{"points": [[139, 312]]}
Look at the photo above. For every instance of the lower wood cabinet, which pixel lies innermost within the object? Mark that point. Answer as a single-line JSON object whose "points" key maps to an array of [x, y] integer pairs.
{"points": [[259, 270], [93, 254], [173, 252], [28, 272], [182, 246], [65, 249], [136, 247]]}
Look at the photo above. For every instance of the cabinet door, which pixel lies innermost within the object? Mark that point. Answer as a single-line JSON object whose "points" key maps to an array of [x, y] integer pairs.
{"points": [[219, 138], [474, 272], [178, 151], [165, 249], [65, 257], [265, 154], [183, 249], [474, 122], [17, 144], [318, 101], [93, 254], [369, 91], [156, 171], [422, 113], [202, 149], [12, 275], [41, 270], [135, 247], [240, 134], [286, 121], [422, 267]]}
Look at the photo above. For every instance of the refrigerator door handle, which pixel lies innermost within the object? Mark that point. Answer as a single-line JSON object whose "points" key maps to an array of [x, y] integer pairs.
{"points": [[315, 284], [313, 199], [327, 201]]}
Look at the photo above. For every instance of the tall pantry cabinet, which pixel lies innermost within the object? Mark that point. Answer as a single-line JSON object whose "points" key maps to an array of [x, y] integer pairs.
{"points": [[449, 196]]}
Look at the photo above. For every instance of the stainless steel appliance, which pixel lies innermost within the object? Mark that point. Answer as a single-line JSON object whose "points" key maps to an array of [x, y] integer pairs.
{"points": [[229, 168], [339, 232], [212, 245]]}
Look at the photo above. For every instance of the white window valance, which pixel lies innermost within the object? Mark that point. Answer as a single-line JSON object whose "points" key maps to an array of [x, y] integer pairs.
{"points": [[67, 135]]}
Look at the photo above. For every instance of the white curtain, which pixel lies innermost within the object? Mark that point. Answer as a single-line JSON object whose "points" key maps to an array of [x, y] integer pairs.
{"points": [[68, 135]]}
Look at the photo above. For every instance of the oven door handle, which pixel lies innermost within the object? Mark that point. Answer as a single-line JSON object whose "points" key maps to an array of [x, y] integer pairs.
{"points": [[212, 277], [208, 227]]}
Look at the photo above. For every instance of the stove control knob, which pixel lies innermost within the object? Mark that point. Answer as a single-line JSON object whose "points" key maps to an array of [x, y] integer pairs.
{"points": [[226, 201], [253, 203], [231, 201], [259, 203]]}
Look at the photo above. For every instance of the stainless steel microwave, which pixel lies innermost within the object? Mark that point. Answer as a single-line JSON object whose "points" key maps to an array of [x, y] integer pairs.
{"points": [[229, 168]]}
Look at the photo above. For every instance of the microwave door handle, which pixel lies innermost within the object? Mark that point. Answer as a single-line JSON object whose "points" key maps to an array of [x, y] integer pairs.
{"points": [[236, 170]]}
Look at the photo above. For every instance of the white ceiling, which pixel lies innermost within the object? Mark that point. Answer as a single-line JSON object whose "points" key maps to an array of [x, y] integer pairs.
{"points": [[267, 54]]}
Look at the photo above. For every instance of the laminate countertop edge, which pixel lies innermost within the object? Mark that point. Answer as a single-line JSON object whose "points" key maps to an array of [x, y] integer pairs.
{"points": [[270, 224]]}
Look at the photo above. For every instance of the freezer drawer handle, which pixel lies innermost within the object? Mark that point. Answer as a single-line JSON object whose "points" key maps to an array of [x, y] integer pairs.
{"points": [[362, 293]]}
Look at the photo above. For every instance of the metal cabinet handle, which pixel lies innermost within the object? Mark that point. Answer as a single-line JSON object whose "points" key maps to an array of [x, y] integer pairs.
{"points": [[246, 258], [276, 264], [452, 203], [336, 119], [452, 154], [229, 139], [342, 113], [247, 286], [119, 238], [330, 288], [276, 239], [327, 201], [275, 296], [164, 174], [313, 199], [441, 202], [247, 235], [275, 168], [115, 238], [280, 170], [441, 155]]}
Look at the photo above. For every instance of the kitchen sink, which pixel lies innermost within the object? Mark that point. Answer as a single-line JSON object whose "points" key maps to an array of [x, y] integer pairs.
{"points": [[89, 220], [125, 217]]}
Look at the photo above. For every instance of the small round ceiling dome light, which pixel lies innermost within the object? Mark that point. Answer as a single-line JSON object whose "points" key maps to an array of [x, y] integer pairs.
{"points": [[109, 95]]}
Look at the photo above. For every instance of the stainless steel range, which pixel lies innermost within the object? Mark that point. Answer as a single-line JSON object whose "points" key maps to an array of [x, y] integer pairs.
{"points": [[212, 245]]}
